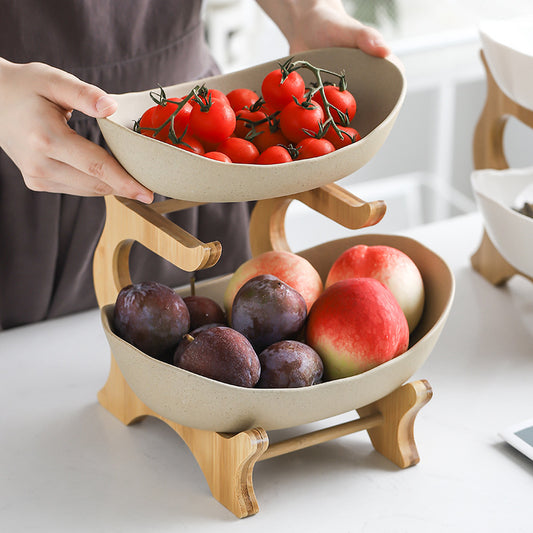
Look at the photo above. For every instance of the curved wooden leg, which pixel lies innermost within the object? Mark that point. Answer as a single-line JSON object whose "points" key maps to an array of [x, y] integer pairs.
{"points": [[227, 461], [490, 263], [394, 438]]}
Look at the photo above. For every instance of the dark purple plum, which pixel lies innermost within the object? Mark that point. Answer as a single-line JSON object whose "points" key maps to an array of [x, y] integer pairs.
{"points": [[152, 317], [188, 338], [223, 354], [267, 310], [204, 310], [289, 364]]}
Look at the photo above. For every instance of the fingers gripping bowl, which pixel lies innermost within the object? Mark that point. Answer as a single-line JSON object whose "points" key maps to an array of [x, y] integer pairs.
{"points": [[378, 85], [199, 402]]}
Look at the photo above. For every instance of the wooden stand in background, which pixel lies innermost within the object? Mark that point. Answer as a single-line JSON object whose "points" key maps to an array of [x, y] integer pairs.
{"points": [[489, 153], [227, 460]]}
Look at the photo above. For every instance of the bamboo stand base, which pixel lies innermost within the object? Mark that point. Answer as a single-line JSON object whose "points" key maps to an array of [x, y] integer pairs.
{"points": [[227, 460], [488, 152]]}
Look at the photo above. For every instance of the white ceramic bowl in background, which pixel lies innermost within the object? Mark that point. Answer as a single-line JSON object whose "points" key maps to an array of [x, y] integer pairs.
{"points": [[508, 48], [498, 193], [203, 403], [377, 84]]}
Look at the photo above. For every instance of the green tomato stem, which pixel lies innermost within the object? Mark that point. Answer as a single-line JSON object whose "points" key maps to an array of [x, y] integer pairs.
{"points": [[317, 71]]}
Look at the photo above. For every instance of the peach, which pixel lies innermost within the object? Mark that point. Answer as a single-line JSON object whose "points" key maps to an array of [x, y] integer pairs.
{"points": [[355, 325], [291, 268], [392, 267]]}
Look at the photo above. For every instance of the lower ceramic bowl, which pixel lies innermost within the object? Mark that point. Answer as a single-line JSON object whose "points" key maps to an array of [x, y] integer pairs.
{"points": [[499, 193], [199, 402]]}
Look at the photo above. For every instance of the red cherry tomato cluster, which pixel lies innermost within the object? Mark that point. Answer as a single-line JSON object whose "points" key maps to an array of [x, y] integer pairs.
{"points": [[285, 121]]}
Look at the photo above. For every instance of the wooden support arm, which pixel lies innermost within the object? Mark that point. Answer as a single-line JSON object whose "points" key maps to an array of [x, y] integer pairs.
{"points": [[267, 224], [128, 221]]}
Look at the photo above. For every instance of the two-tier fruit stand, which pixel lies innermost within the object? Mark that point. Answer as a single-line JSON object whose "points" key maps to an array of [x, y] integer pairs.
{"points": [[227, 427]]}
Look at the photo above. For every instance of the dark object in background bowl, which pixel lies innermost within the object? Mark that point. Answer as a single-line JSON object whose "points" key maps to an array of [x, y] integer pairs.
{"points": [[526, 209]]}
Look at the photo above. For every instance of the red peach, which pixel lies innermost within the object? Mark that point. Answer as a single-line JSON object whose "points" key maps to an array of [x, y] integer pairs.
{"points": [[291, 268], [355, 325], [392, 267]]}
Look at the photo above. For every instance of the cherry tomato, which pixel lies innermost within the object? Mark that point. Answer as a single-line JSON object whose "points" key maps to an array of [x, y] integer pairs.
{"points": [[313, 147], [239, 150], [349, 136], [244, 118], [268, 134], [344, 101], [150, 122], [274, 155], [241, 98], [277, 93], [298, 121], [163, 113], [218, 156], [147, 121], [189, 143], [212, 122], [205, 95], [215, 93]]}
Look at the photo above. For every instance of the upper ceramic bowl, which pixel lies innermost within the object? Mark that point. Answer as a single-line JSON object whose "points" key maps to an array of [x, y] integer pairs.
{"points": [[508, 48], [377, 84], [498, 194], [196, 401]]}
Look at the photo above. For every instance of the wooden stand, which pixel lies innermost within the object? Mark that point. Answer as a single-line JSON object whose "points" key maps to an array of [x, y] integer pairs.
{"points": [[488, 152], [227, 460]]}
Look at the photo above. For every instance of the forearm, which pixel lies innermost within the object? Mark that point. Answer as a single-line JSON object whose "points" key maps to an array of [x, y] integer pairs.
{"points": [[310, 24], [296, 17], [288, 14]]}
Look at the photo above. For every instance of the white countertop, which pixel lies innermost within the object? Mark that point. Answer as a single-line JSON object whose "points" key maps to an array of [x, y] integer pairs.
{"points": [[66, 464]]}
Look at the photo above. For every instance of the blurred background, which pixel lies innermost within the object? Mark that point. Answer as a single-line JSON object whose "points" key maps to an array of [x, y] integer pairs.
{"points": [[423, 170]]}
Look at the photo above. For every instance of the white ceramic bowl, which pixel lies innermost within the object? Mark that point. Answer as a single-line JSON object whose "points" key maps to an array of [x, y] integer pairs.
{"points": [[508, 48], [378, 86], [193, 400], [498, 193]]}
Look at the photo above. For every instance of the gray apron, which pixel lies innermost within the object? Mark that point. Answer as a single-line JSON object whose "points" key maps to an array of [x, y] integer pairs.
{"points": [[47, 240]]}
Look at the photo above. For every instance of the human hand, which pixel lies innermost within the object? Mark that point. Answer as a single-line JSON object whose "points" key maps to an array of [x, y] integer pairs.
{"points": [[320, 24], [36, 102]]}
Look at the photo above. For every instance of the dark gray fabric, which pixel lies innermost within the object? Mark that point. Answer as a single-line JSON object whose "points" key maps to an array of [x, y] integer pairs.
{"points": [[47, 240]]}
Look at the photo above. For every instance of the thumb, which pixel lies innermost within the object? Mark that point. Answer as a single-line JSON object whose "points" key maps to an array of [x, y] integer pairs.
{"points": [[370, 41], [70, 92]]}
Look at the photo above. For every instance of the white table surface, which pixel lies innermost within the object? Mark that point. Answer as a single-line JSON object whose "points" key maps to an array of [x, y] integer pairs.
{"points": [[66, 464]]}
